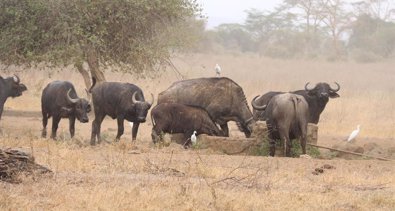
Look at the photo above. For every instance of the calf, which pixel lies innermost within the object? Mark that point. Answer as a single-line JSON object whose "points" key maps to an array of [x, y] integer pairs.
{"points": [[179, 118]]}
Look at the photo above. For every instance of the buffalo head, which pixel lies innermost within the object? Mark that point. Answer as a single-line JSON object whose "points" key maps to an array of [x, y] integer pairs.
{"points": [[81, 107], [141, 107], [323, 90], [13, 86]]}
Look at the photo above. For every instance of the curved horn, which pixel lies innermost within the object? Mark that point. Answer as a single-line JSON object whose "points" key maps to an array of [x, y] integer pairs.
{"points": [[335, 90], [306, 87], [152, 101], [255, 106], [71, 99], [134, 98], [16, 79]]}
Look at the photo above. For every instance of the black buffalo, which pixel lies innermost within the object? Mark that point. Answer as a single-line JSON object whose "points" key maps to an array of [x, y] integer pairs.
{"points": [[119, 101], [179, 118], [316, 98], [286, 117], [10, 87], [222, 98], [60, 100]]}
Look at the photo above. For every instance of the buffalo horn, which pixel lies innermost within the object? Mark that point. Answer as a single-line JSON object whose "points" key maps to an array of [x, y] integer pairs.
{"points": [[152, 101], [338, 87], [257, 107], [16, 79], [134, 98], [306, 87], [71, 99]]}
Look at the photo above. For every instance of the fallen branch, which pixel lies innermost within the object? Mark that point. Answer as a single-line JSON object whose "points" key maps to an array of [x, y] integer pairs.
{"points": [[349, 152]]}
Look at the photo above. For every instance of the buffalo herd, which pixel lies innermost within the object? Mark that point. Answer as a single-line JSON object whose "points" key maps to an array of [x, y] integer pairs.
{"points": [[204, 105]]}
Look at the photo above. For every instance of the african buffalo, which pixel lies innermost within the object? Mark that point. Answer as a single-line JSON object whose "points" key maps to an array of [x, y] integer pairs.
{"points": [[179, 118], [121, 101], [10, 87], [222, 98], [60, 100], [286, 118], [316, 98]]}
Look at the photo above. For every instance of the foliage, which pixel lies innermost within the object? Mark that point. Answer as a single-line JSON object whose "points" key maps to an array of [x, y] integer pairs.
{"points": [[139, 34], [333, 29], [234, 37], [296, 150], [373, 36]]}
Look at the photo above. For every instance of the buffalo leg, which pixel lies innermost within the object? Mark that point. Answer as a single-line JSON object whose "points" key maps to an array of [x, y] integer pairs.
{"points": [[134, 130], [272, 145], [303, 138], [96, 124], [225, 129], [72, 126], [155, 134], [120, 120], [45, 123], [1, 108], [55, 123], [284, 135]]}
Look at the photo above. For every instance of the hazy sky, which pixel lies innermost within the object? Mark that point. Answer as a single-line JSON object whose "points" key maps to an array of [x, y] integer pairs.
{"points": [[232, 11]]}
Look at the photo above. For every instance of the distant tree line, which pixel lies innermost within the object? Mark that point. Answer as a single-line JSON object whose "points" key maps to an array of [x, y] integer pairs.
{"points": [[333, 29]]}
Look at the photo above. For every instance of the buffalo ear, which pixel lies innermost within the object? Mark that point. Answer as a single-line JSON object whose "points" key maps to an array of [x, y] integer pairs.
{"points": [[333, 95], [22, 87]]}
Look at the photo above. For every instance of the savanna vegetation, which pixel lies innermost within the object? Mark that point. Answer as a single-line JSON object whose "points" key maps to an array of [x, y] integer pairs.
{"points": [[154, 43]]}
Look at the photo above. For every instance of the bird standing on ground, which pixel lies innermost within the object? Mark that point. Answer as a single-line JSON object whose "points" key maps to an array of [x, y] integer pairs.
{"points": [[218, 70], [193, 138], [354, 134]]}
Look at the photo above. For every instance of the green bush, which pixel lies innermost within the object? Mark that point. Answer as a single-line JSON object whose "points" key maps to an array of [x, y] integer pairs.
{"points": [[296, 151]]}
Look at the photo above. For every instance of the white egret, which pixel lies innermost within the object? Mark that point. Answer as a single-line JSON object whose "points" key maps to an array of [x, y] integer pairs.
{"points": [[354, 134], [218, 70], [193, 138]]}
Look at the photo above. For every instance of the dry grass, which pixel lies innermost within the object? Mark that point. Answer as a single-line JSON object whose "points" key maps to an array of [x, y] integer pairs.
{"points": [[124, 176]]}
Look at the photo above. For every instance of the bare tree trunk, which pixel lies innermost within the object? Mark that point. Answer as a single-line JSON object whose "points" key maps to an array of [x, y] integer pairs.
{"points": [[84, 73], [85, 76], [93, 63]]}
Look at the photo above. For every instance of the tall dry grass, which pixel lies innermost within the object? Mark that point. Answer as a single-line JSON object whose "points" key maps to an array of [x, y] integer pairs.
{"points": [[125, 176], [367, 90]]}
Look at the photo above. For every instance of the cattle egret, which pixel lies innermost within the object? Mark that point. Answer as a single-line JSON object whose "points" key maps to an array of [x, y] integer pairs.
{"points": [[193, 138], [218, 70], [353, 134]]}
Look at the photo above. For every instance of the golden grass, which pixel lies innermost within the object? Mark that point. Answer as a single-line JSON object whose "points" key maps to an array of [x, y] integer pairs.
{"points": [[124, 176]]}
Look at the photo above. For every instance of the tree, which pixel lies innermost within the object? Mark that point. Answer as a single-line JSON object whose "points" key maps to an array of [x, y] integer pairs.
{"points": [[308, 13], [380, 9], [234, 37], [373, 35], [337, 19], [135, 35]]}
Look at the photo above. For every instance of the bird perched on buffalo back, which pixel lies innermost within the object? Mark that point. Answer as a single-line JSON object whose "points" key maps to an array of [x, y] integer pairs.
{"points": [[217, 70]]}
